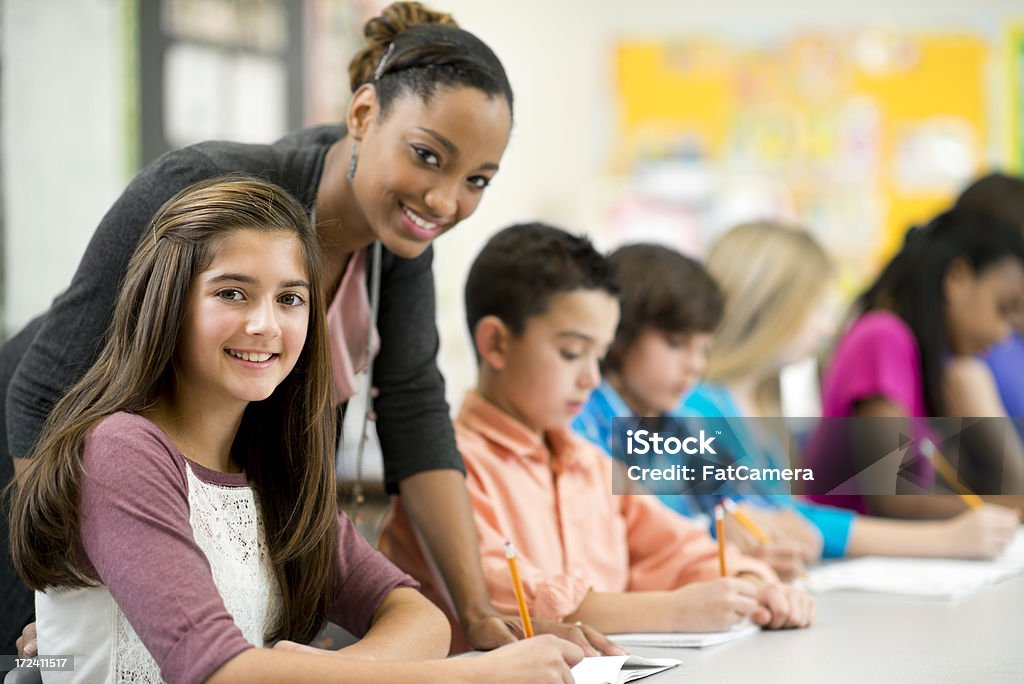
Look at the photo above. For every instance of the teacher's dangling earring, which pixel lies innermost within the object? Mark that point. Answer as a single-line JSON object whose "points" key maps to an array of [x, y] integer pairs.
{"points": [[352, 161]]}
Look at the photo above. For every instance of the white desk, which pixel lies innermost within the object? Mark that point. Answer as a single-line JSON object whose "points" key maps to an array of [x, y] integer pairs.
{"points": [[874, 640], [864, 639]]}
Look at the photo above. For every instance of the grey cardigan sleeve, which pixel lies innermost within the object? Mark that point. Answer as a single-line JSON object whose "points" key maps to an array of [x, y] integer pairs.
{"points": [[74, 330], [413, 423]]}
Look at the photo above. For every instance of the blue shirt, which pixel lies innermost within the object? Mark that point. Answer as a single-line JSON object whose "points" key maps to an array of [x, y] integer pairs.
{"points": [[714, 401], [1007, 363], [595, 424]]}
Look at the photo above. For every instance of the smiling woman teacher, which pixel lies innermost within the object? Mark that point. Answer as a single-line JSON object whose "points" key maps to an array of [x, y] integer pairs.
{"points": [[426, 128]]}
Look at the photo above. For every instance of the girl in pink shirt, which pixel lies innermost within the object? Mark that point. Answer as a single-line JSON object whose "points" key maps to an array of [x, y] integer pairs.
{"points": [[179, 514], [947, 295]]}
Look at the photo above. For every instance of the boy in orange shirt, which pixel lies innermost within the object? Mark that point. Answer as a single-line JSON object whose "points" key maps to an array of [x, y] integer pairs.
{"points": [[542, 309]]}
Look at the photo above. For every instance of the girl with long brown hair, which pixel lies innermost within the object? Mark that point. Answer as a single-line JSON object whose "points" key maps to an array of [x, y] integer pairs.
{"points": [[424, 134], [180, 506]]}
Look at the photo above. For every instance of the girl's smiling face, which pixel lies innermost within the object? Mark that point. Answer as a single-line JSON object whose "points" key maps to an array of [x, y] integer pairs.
{"points": [[246, 320], [424, 166]]}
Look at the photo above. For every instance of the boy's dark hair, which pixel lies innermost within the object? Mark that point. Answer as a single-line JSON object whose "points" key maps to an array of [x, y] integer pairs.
{"points": [[664, 290], [522, 267]]}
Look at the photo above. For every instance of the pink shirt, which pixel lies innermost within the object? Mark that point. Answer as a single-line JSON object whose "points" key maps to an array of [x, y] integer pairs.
{"points": [[878, 357], [349, 327], [572, 536]]}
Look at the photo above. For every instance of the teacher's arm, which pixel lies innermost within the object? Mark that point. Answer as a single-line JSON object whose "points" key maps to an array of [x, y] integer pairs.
{"points": [[421, 461]]}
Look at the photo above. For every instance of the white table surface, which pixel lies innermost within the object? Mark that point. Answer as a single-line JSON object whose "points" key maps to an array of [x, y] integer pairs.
{"points": [[874, 639]]}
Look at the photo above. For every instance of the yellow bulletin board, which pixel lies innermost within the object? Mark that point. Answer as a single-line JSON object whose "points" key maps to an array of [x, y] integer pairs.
{"points": [[1015, 93], [869, 131]]}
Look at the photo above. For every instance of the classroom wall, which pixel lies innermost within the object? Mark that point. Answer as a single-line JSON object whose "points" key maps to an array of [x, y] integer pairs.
{"points": [[64, 85], [64, 152], [559, 59]]}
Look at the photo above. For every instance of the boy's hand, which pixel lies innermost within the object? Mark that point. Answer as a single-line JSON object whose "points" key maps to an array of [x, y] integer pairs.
{"points": [[799, 529], [789, 526], [785, 558], [784, 606], [713, 605]]}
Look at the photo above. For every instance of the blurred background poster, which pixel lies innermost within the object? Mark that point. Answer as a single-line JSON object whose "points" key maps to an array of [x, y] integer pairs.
{"points": [[855, 133], [1015, 95]]}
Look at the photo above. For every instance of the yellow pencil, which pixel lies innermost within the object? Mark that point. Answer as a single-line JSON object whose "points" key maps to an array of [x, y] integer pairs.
{"points": [[945, 470], [720, 532], [517, 587], [743, 519]]}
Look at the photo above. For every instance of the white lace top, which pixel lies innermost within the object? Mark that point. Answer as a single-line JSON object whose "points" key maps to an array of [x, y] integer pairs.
{"points": [[227, 527], [181, 555]]}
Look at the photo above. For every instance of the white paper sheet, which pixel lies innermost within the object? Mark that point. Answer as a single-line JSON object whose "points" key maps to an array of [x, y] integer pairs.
{"points": [[929, 578], [684, 639], [619, 669]]}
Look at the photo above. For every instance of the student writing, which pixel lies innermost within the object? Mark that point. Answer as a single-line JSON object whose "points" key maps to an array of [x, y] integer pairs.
{"points": [[951, 291], [542, 309]]}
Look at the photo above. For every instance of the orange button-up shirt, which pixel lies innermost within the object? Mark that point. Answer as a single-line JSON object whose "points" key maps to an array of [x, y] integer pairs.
{"points": [[553, 499]]}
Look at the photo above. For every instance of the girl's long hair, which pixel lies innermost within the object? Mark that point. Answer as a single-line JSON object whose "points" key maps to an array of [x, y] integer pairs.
{"points": [[912, 284], [772, 277], [285, 443]]}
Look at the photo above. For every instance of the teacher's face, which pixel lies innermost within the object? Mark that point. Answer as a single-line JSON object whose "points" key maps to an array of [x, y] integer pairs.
{"points": [[424, 166]]}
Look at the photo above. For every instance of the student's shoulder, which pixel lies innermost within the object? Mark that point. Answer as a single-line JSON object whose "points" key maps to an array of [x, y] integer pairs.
{"points": [[127, 445], [880, 323], [878, 331], [126, 426]]}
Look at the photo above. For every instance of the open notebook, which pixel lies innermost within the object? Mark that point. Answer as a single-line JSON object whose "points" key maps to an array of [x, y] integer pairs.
{"points": [[928, 578], [619, 669], [684, 639]]}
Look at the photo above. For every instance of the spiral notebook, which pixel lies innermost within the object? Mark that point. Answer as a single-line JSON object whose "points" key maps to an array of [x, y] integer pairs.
{"points": [[619, 669]]}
